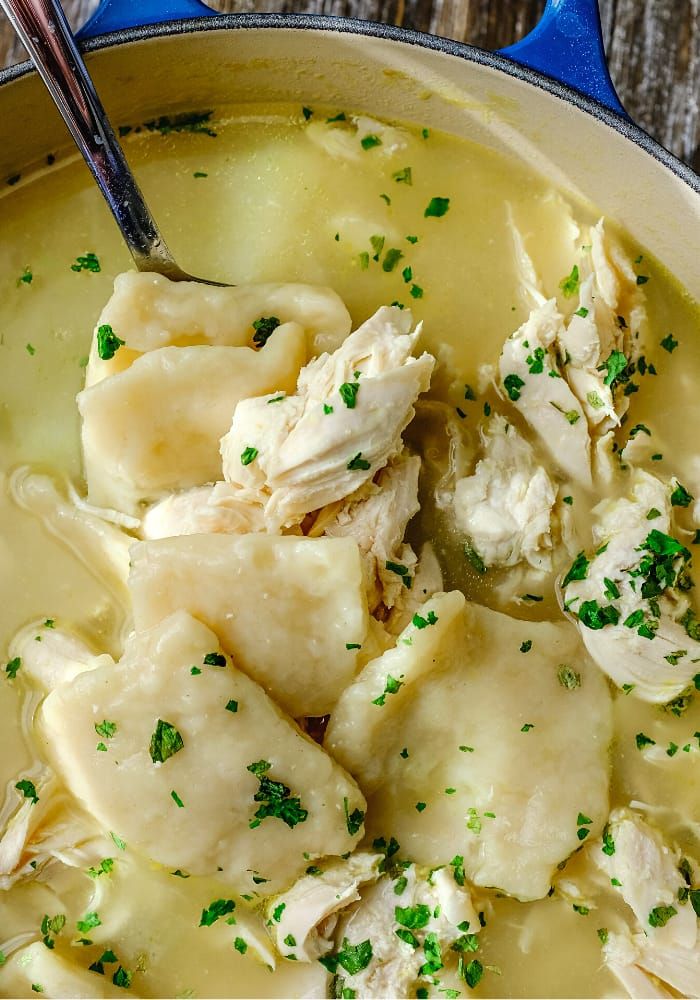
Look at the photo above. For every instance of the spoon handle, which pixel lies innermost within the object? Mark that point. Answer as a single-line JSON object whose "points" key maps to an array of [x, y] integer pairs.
{"points": [[44, 30]]}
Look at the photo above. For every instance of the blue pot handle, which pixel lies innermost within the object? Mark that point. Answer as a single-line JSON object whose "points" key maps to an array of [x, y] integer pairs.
{"points": [[114, 15], [567, 45]]}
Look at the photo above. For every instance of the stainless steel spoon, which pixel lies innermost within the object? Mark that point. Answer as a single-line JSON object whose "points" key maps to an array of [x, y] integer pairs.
{"points": [[46, 34]]}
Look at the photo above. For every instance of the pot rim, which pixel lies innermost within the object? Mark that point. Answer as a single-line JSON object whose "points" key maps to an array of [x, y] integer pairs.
{"points": [[375, 29]]}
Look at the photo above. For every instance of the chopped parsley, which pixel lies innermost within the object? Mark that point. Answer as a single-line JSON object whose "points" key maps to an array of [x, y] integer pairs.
{"points": [[118, 842], [535, 361], [240, 945], [358, 463], [370, 141], [391, 686], [437, 207], [86, 262], [526, 646], [348, 393], [578, 569], [351, 957], [165, 742], [420, 623], [106, 728], [400, 570], [414, 917], [177, 800], [642, 279], [680, 496], [403, 176], [354, 819], [595, 401], [527, 727], [89, 922], [642, 740], [407, 275], [474, 558], [104, 868], [13, 667], [582, 312], [420, 806], [471, 973], [27, 789], [661, 915], [611, 592], [457, 866], [327, 409], [231, 706], [669, 344], [568, 677], [608, 842], [568, 500], [307, 113], [248, 455], [513, 384], [108, 343], [50, 927], [614, 366], [416, 292], [264, 328], [654, 512], [218, 908], [391, 259], [30, 349], [353, 645], [377, 243], [275, 799], [570, 284], [595, 617], [214, 660], [26, 277]]}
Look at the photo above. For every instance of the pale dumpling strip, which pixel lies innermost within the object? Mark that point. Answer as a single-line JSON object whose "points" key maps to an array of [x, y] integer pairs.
{"points": [[632, 643], [501, 784], [505, 507], [190, 754], [301, 452]]}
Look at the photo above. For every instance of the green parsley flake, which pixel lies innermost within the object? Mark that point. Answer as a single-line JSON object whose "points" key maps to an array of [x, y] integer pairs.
{"points": [[363, 260], [353, 645], [420, 806], [89, 922], [108, 343], [358, 464], [218, 908], [348, 393], [654, 512], [437, 207], [457, 865], [420, 623], [642, 740], [248, 455], [535, 361], [27, 789], [416, 292], [471, 973], [402, 571], [403, 176], [264, 328], [474, 558], [307, 113], [595, 617], [370, 141], [165, 742], [118, 842], [513, 384], [30, 349], [527, 727], [87, 262], [214, 660], [391, 686], [391, 259], [594, 400], [106, 729], [578, 569], [661, 915], [50, 927], [608, 842], [26, 277], [199, 173], [526, 646], [13, 667], [570, 284], [377, 244], [275, 798], [177, 800], [669, 344], [104, 868], [642, 279], [568, 500], [278, 911], [568, 677], [680, 496], [615, 366], [414, 917], [231, 706], [354, 819], [582, 312]]}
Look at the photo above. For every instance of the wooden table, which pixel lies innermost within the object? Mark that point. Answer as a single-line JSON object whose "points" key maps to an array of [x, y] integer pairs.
{"points": [[653, 46]]}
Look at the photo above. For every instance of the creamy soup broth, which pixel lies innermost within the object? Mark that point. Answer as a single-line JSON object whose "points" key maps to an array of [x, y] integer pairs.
{"points": [[260, 202]]}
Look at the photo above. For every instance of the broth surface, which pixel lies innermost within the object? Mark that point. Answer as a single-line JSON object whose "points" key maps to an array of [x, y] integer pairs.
{"points": [[260, 202]]}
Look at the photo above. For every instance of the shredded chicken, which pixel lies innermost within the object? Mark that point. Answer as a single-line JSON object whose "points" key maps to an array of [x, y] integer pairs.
{"points": [[505, 507], [203, 510], [630, 597], [298, 453]]}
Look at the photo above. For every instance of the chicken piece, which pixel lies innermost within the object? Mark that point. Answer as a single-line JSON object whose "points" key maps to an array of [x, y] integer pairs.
{"points": [[635, 855], [35, 969], [201, 770], [291, 611], [155, 427], [501, 785], [427, 581], [533, 381], [216, 509], [149, 311], [435, 908], [302, 452], [343, 139], [505, 507], [377, 517], [629, 598], [301, 920], [51, 656], [635, 959]]}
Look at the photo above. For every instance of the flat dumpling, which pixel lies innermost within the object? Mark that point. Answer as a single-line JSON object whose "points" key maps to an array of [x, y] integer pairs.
{"points": [[39, 971], [467, 745], [148, 311], [196, 768], [155, 427], [291, 611]]}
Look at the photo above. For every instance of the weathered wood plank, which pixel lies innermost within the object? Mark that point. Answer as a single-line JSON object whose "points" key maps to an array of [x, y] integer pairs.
{"points": [[653, 46]]}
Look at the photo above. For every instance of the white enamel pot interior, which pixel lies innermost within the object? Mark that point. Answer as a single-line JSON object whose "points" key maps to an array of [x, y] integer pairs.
{"points": [[585, 150]]}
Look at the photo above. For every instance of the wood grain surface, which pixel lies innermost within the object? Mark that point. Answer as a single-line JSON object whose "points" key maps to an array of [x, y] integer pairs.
{"points": [[653, 46]]}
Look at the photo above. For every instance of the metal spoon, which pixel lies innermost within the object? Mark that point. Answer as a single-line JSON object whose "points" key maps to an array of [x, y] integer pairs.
{"points": [[46, 34]]}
